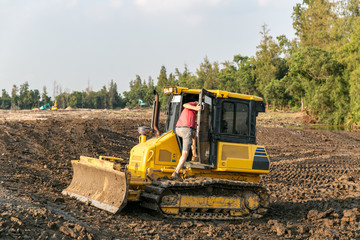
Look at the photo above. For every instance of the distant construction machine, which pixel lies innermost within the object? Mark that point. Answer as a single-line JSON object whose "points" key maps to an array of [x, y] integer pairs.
{"points": [[47, 106], [222, 184], [141, 103]]}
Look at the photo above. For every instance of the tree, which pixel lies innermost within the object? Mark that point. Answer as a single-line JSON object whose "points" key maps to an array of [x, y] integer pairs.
{"points": [[276, 93], [245, 75], [102, 98], [24, 97], [34, 97], [164, 81], [76, 100], [207, 75], [185, 78], [5, 100], [322, 82], [354, 114], [44, 96], [114, 98], [228, 77], [14, 97], [350, 56], [313, 20], [268, 63]]}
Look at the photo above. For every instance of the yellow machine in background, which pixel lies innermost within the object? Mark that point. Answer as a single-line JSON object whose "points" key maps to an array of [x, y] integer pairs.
{"points": [[54, 108], [222, 184]]}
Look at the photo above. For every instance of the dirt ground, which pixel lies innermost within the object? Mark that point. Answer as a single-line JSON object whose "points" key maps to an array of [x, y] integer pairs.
{"points": [[314, 180]]}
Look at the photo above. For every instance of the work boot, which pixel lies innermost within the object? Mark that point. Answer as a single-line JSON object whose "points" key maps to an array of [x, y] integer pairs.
{"points": [[195, 159], [176, 176]]}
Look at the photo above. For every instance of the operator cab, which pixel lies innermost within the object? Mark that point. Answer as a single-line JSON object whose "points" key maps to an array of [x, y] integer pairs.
{"points": [[223, 118]]}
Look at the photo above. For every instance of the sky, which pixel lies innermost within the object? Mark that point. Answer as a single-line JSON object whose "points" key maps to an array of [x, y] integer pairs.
{"points": [[77, 44]]}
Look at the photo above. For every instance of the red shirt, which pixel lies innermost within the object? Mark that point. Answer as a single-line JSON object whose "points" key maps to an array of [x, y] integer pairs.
{"points": [[187, 117]]}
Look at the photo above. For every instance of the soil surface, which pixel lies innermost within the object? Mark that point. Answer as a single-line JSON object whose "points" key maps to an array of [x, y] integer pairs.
{"points": [[314, 180]]}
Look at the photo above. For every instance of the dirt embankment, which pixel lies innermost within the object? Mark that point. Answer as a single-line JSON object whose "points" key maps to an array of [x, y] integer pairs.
{"points": [[314, 181]]}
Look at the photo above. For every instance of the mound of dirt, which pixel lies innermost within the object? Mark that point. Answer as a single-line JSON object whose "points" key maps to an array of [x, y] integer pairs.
{"points": [[314, 182]]}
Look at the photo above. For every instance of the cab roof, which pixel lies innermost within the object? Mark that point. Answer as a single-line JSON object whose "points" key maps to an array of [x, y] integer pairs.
{"points": [[219, 93]]}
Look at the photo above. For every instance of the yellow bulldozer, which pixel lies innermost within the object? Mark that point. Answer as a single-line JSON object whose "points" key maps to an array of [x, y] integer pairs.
{"points": [[221, 184]]}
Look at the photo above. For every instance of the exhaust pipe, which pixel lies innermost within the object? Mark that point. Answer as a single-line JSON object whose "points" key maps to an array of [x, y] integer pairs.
{"points": [[155, 115]]}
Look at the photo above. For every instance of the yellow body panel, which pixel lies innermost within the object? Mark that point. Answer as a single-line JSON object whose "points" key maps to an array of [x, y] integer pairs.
{"points": [[160, 154], [236, 157]]}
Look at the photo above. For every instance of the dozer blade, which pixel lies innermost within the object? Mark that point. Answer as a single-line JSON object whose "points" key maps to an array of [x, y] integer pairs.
{"points": [[95, 181]]}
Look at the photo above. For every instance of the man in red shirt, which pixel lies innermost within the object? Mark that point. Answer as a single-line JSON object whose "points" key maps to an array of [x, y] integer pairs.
{"points": [[185, 128]]}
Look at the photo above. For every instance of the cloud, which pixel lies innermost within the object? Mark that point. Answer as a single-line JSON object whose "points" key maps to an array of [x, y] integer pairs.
{"points": [[156, 6]]}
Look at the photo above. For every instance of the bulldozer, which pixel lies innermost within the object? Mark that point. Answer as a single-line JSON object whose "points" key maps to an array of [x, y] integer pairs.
{"points": [[222, 183]]}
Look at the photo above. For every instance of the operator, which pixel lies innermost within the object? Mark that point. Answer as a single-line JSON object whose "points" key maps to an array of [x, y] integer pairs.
{"points": [[185, 128]]}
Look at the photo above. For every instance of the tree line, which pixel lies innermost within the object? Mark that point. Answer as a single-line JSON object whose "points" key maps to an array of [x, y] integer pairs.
{"points": [[318, 71], [24, 98]]}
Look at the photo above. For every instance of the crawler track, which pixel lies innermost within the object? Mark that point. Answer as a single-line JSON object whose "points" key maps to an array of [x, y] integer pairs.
{"points": [[229, 198]]}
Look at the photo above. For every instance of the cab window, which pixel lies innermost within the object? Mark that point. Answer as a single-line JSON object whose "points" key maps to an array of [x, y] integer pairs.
{"points": [[235, 118]]}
